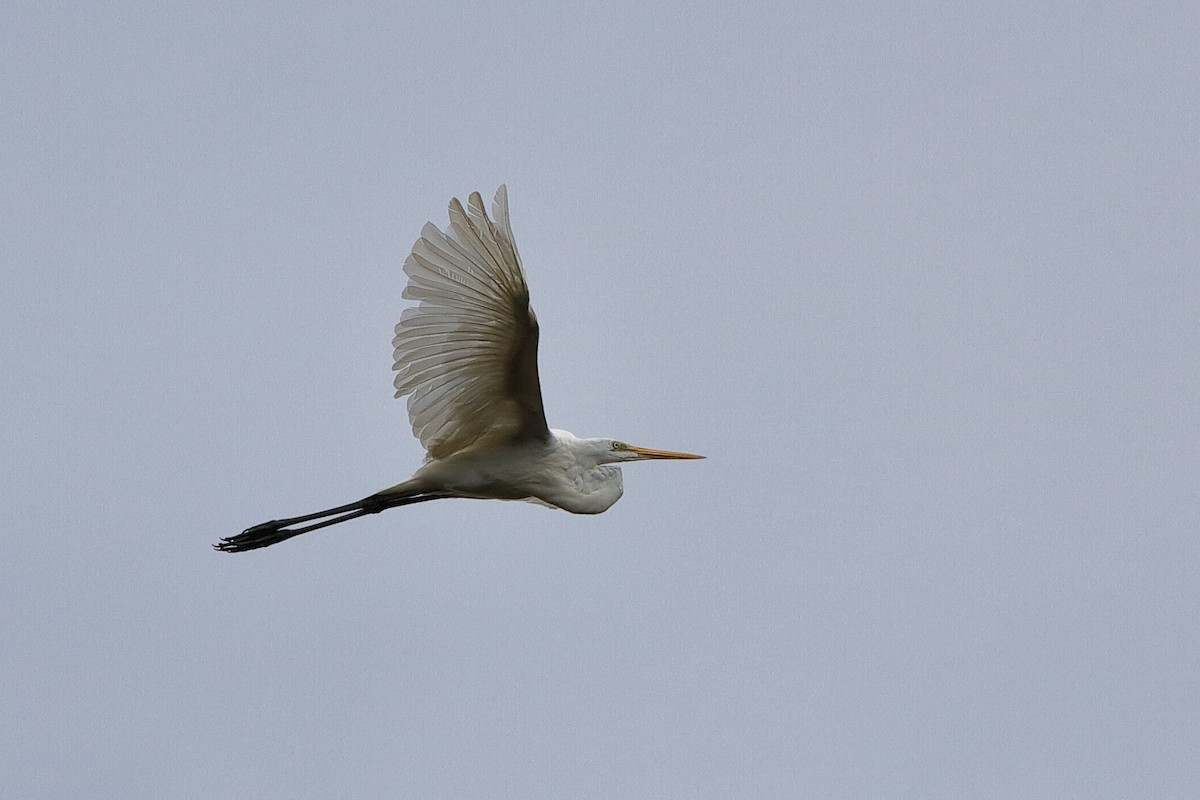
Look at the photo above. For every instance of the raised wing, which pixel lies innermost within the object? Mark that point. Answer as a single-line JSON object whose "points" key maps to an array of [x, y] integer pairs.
{"points": [[467, 355]]}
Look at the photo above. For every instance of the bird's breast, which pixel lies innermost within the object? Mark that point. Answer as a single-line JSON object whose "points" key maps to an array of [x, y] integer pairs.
{"points": [[548, 474]]}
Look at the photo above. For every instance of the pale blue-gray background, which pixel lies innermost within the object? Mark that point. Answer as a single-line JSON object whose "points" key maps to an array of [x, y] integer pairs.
{"points": [[922, 280]]}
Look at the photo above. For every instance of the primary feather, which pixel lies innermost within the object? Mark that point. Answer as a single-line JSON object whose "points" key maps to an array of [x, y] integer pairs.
{"points": [[466, 357]]}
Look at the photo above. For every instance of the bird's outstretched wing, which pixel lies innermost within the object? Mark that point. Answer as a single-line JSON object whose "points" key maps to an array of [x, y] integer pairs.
{"points": [[467, 355]]}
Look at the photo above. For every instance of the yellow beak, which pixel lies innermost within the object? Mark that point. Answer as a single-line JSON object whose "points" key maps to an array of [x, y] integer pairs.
{"points": [[646, 452]]}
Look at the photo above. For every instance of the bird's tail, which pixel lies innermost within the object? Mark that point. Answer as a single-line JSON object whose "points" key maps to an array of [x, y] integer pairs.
{"points": [[278, 530]]}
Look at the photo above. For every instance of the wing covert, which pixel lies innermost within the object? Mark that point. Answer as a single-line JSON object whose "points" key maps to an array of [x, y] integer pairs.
{"points": [[466, 356]]}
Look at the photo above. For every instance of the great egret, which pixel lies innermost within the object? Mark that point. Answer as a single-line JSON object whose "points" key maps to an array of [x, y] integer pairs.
{"points": [[467, 359]]}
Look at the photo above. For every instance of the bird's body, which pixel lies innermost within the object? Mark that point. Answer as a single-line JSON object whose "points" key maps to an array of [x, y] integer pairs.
{"points": [[563, 471], [466, 357]]}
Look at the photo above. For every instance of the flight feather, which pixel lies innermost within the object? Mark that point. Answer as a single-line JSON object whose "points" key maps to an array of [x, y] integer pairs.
{"points": [[466, 356]]}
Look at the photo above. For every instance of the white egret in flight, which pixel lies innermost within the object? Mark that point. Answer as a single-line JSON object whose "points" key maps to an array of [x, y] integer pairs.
{"points": [[466, 357]]}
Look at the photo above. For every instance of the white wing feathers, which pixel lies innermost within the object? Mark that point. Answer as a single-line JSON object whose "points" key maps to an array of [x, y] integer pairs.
{"points": [[467, 355]]}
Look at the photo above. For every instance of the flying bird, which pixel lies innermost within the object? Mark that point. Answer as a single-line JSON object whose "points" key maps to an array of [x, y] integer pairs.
{"points": [[466, 358]]}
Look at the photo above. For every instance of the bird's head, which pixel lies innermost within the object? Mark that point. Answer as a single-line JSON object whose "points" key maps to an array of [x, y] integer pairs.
{"points": [[594, 452], [613, 451]]}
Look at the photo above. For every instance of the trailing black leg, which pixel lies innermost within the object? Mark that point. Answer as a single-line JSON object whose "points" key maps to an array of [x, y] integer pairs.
{"points": [[278, 530]]}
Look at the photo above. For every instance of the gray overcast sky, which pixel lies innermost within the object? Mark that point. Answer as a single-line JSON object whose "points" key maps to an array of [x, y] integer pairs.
{"points": [[921, 279]]}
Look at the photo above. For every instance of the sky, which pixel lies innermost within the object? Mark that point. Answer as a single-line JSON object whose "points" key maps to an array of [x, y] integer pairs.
{"points": [[920, 279]]}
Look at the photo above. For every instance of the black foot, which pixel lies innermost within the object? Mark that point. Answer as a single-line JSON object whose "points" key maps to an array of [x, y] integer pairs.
{"points": [[264, 535]]}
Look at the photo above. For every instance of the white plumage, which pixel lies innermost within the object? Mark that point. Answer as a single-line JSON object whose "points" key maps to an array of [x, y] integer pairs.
{"points": [[466, 358], [455, 351]]}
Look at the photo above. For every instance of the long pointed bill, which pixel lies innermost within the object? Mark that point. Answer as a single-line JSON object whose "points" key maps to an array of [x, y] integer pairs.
{"points": [[646, 452]]}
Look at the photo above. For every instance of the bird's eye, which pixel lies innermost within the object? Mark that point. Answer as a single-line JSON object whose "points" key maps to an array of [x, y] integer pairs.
{"points": [[619, 446]]}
